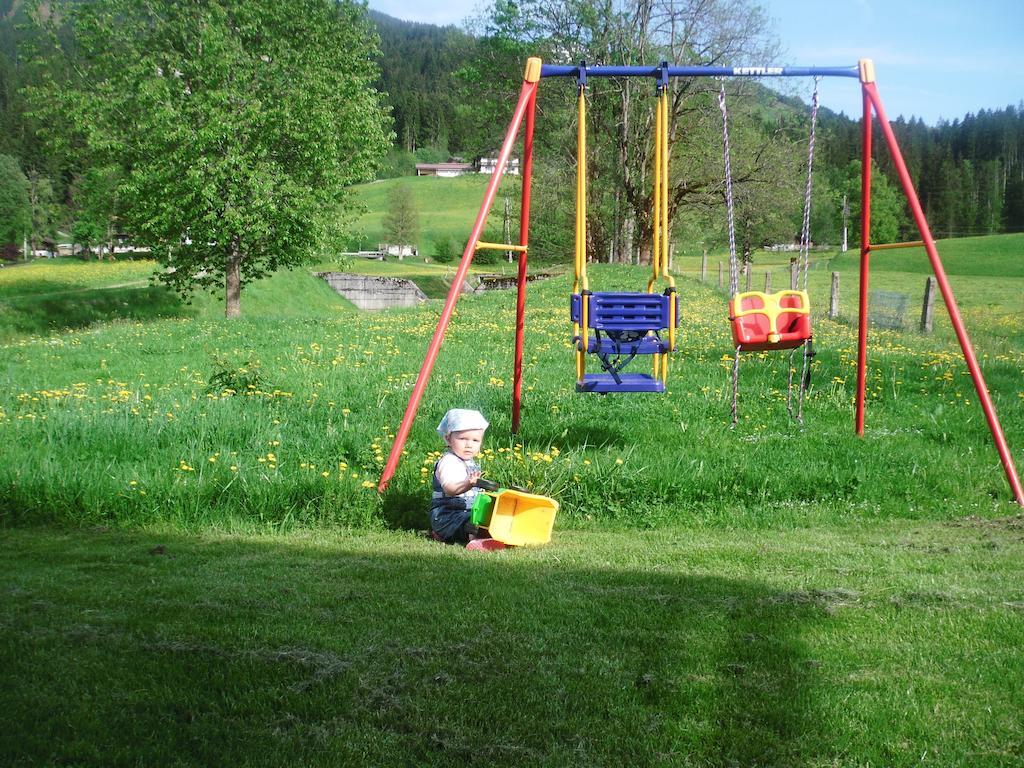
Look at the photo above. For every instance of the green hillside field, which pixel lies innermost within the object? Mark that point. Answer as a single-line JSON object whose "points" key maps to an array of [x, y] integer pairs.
{"points": [[447, 207]]}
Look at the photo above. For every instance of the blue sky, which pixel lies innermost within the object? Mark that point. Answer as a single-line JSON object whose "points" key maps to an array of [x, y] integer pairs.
{"points": [[935, 59]]}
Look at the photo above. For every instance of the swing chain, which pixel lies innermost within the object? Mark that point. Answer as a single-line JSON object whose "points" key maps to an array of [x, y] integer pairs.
{"points": [[805, 381], [734, 279], [805, 250], [735, 387]]}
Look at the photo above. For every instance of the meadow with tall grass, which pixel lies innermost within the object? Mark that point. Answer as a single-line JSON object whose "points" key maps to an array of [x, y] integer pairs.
{"points": [[198, 567]]}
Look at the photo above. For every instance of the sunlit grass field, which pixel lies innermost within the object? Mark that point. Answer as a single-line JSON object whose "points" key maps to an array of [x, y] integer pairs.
{"points": [[196, 567], [147, 436]]}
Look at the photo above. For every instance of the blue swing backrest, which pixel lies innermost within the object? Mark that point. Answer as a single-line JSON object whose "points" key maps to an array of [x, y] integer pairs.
{"points": [[622, 311]]}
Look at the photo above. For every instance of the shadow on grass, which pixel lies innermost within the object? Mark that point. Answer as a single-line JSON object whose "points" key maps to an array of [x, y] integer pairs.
{"points": [[406, 507], [53, 311], [119, 649]]}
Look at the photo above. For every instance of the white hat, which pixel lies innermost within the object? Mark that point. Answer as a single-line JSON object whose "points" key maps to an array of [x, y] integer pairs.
{"points": [[459, 419]]}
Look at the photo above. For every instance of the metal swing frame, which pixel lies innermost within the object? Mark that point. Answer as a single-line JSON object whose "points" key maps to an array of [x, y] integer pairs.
{"points": [[524, 116]]}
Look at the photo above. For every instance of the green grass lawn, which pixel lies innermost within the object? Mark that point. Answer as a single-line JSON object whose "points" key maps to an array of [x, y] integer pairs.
{"points": [[447, 207], [197, 567], [47, 296], [890, 644], [133, 403]]}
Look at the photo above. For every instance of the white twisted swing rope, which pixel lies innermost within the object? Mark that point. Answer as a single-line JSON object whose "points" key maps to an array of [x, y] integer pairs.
{"points": [[734, 277], [805, 234], [734, 280], [805, 250]]}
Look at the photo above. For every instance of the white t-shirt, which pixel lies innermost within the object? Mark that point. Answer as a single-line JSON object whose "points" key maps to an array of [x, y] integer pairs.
{"points": [[452, 470]]}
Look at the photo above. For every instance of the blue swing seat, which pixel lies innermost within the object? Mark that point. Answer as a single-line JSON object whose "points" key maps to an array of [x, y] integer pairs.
{"points": [[604, 383], [625, 325], [622, 311]]}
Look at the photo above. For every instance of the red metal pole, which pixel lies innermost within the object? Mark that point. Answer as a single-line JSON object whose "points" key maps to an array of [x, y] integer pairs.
{"points": [[865, 257], [529, 88], [524, 239], [947, 294]]}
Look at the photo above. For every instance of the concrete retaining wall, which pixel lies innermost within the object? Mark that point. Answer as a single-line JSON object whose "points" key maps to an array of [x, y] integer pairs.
{"points": [[369, 292]]}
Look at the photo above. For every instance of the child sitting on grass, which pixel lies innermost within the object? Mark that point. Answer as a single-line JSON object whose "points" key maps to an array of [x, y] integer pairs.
{"points": [[455, 476]]}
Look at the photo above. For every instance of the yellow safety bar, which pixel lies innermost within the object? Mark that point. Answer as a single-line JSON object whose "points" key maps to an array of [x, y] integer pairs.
{"points": [[772, 308], [480, 246], [888, 246]]}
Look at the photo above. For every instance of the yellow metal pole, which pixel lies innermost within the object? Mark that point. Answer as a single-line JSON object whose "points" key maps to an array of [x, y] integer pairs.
{"points": [[665, 232], [671, 280], [576, 243], [582, 205], [580, 329], [889, 246], [480, 246], [656, 217], [664, 183], [656, 195]]}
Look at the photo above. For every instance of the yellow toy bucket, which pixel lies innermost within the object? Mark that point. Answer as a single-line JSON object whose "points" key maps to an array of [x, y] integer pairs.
{"points": [[519, 518]]}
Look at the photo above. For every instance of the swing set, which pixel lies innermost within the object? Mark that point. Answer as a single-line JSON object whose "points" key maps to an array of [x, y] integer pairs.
{"points": [[617, 327]]}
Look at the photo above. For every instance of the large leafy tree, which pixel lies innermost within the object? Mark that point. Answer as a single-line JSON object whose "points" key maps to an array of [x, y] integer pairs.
{"points": [[237, 125], [889, 218], [620, 112]]}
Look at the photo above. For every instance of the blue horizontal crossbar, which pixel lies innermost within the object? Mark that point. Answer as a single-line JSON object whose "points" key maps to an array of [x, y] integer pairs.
{"points": [[563, 70]]}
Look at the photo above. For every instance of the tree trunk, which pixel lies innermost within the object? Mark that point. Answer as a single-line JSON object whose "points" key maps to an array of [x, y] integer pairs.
{"points": [[628, 230], [645, 253], [233, 282], [110, 241]]}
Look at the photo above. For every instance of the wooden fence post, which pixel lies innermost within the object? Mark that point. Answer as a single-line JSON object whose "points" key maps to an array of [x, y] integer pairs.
{"points": [[833, 299], [748, 273], [719, 274], [768, 282], [704, 266], [792, 274], [927, 310]]}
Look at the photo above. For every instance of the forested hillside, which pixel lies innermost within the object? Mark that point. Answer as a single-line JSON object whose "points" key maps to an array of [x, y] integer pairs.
{"points": [[449, 94], [969, 173], [418, 65]]}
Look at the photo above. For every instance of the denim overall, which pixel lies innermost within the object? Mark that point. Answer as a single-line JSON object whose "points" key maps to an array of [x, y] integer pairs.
{"points": [[450, 514]]}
